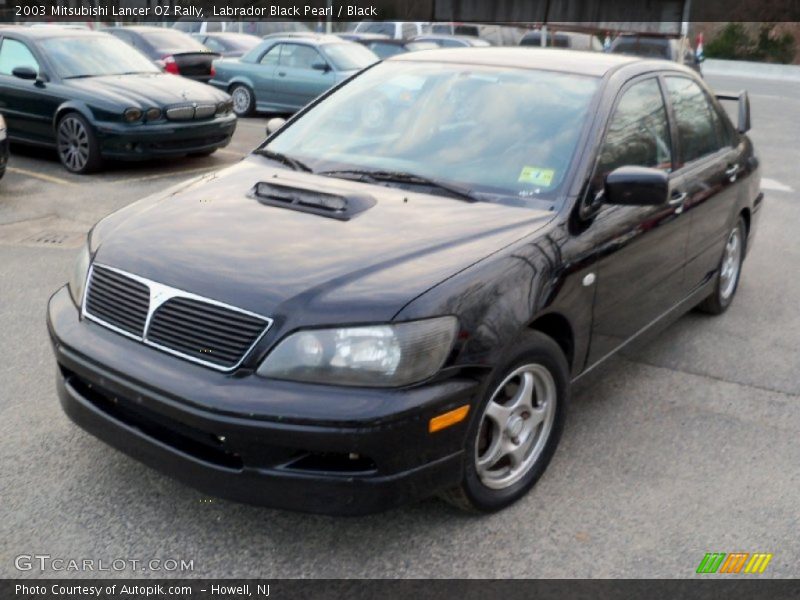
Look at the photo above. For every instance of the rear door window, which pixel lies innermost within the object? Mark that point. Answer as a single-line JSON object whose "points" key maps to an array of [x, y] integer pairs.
{"points": [[699, 126]]}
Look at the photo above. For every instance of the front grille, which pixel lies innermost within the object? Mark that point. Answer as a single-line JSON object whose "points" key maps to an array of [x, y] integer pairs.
{"points": [[203, 111], [180, 113], [198, 329], [191, 111], [118, 300], [205, 331]]}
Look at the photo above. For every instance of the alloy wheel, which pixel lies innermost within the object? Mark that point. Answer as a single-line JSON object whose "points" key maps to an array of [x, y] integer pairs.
{"points": [[731, 265], [241, 100], [515, 426], [73, 144]]}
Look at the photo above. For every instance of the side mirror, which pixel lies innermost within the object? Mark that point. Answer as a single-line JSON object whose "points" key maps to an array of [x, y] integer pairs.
{"points": [[743, 126], [321, 66], [636, 186], [274, 124], [25, 73]]}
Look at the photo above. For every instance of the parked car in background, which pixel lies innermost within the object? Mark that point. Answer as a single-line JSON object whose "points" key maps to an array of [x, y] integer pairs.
{"points": [[228, 45], [172, 50], [91, 97], [562, 39], [283, 74], [290, 34], [496, 35], [265, 28], [397, 30], [352, 36], [3, 146], [677, 50], [350, 319], [453, 41], [258, 28], [386, 48]]}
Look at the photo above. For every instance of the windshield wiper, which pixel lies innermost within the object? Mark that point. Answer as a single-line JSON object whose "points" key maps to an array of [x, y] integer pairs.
{"points": [[83, 76], [409, 178], [289, 161]]}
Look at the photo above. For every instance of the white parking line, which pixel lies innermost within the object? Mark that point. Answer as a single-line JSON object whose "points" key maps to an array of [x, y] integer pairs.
{"points": [[774, 186], [42, 176]]}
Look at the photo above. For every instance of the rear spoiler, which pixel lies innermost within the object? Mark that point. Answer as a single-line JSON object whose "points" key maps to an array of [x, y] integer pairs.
{"points": [[743, 99]]}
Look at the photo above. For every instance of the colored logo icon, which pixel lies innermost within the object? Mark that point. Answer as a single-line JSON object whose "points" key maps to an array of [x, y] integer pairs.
{"points": [[734, 563]]}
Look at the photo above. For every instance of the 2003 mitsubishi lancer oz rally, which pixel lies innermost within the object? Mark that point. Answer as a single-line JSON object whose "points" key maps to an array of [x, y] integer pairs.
{"points": [[391, 296]]}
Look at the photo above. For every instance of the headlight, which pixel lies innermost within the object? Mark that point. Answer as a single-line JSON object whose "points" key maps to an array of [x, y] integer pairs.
{"points": [[80, 269], [376, 355], [132, 114], [3, 132], [153, 114]]}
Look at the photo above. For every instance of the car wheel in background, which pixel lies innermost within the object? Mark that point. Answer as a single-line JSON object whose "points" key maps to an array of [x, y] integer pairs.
{"points": [[729, 273], [244, 101], [516, 429], [77, 145]]}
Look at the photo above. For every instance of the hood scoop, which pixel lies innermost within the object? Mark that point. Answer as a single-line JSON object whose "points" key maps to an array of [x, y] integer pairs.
{"points": [[333, 206]]}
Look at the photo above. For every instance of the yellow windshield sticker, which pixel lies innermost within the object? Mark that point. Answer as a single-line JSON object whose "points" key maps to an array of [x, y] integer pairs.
{"points": [[536, 176]]}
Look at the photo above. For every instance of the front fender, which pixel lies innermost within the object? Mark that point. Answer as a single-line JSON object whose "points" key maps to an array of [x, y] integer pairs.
{"points": [[73, 106], [501, 296]]}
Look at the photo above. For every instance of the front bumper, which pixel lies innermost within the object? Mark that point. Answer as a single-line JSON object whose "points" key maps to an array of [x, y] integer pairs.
{"points": [[172, 138], [177, 417]]}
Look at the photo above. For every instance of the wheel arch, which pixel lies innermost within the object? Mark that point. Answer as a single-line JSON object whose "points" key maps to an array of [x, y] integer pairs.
{"points": [[72, 106], [556, 326]]}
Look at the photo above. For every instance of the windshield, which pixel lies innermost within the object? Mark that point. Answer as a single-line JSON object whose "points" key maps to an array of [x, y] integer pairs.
{"points": [[349, 56], [93, 56], [495, 131]]}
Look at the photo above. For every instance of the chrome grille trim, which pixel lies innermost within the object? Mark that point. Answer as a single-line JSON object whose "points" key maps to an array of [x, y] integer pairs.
{"points": [[159, 294], [187, 112], [204, 111], [180, 113]]}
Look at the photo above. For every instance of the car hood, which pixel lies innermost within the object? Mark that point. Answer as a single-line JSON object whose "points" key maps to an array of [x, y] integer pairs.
{"points": [[212, 238], [146, 89]]}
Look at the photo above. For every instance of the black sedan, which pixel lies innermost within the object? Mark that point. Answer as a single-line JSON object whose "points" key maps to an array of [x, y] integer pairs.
{"points": [[357, 316], [92, 97], [228, 45], [170, 49]]}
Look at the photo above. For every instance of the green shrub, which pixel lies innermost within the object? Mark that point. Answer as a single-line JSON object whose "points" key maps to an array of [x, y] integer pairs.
{"points": [[734, 43]]}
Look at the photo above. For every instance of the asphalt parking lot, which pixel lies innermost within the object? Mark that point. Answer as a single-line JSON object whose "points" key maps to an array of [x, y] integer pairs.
{"points": [[686, 445]]}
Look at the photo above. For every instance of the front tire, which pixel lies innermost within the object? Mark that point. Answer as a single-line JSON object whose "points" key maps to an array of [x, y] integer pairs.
{"points": [[77, 145], [516, 428], [244, 100], [730, 270]]}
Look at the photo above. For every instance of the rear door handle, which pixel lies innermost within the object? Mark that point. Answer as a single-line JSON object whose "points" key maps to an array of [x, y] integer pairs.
{"points": [[282, 73], [731, 172]]}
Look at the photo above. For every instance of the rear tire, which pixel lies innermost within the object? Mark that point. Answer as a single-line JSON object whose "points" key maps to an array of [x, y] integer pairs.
{"points": [[729, 272], [77, 145], [244, 100], [516, 427]]}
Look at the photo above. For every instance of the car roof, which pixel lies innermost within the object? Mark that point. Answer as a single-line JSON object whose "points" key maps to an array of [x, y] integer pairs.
{"points": [[317, 39], [596, 64]]}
